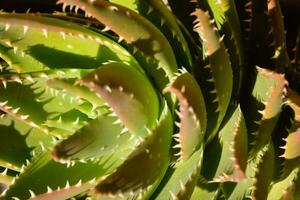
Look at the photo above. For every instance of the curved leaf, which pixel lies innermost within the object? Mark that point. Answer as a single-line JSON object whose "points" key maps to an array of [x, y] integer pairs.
{"points": [[138, 109], [220, 68], [192, 113], [135, 30], [146, 166], [100, 137], [34, 42]]}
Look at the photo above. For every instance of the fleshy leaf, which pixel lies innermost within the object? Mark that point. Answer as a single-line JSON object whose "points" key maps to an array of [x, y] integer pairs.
{"points": [[183, 179], [22, 104], [100, 137], [282, 188], [131, 4], [146, 166], [192, 113], [5, 179], [220, 68], [205, 190], [138, 109], [134, 29], [159, 14], [66, 192], [292, 147], [227, 21], [259, 176], [269, 90], [293, 100], [13, 148], [232, 145], [32, 38], [70, 87], [43, 172]]}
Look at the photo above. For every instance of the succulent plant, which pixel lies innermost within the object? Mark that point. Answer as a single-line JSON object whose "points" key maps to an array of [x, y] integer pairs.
{"points": [[133, 99]]}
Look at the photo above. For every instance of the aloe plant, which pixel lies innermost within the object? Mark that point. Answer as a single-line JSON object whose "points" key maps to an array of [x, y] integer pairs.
{"points": [[132, 99]]}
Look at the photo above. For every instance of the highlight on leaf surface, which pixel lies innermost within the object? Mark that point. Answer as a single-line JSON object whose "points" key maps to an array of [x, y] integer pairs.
{"points": [[192, 113], [219, 67], [147, 164], [114, 81]]}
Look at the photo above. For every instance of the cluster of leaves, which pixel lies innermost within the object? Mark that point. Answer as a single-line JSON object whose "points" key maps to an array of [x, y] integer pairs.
{"points": [[149, 99]]}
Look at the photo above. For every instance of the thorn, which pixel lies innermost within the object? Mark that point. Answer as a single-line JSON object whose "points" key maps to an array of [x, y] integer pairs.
{"points": [[105, 29], [182, 90], [107, 88], [162, 22], [221, 38], [173, 195], [118, 121], [76, 9], [124, 130], [76, 122], [63, 34], [79, 183], [3, 103], [49, 190], [120, 39], [15, 49], [32, 195], [67, 185], [15, 111], [16, 79], [92, 181], [4, 172], [7, 26], [149, 10], [25, 29], [45, 32], [4, 84]]}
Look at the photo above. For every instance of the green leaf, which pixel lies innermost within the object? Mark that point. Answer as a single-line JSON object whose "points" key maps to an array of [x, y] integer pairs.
{"points": [[146, 166], [131, 4], [183, 178], [227, 21], [138, 109], [22, 105], [292, 147], [33, 42], [66, 192], [135, 30], [93, 104], [259, 174], [159, 14], [284, 187], [268, 91], [43, 172], [220, 69], [205, 190], [230, 150], [13, 147], [5, 180], [99, 137], [192, 113]]}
